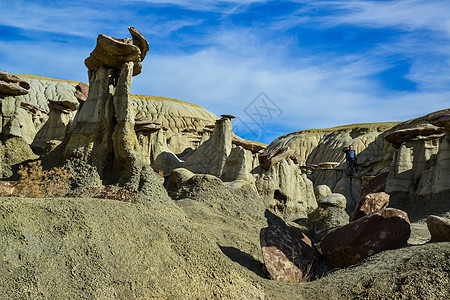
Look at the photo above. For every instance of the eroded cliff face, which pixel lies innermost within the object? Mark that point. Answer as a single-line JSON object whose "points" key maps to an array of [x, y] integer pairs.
{"points": [[418, 179], [317, 146]]}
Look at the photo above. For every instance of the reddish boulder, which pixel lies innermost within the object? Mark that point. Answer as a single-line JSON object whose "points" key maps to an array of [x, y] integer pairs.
{"points": [[370, 203], [439, 228], [289, 255], [386, 229], [81, 92], [375, 185]]}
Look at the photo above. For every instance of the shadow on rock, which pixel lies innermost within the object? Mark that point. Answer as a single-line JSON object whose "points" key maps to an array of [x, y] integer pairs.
{"points": [[273, 219], [245, 260]]}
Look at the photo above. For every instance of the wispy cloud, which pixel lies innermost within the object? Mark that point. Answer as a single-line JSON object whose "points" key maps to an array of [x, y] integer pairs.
{"points": [[403, 14], [224, 6]]}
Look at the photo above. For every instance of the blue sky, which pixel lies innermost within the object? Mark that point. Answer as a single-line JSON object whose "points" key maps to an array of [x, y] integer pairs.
{"points": [[321, 63]]}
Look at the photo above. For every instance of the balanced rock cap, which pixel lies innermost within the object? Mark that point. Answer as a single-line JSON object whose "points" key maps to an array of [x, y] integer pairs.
{"points": [[113, 53]]}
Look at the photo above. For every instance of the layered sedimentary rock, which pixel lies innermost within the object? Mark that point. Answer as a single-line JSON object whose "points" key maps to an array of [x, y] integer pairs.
{"points": [[211, 156], [418, 177], [24, 115], [325, 145], [319, 154], [285, 188]]}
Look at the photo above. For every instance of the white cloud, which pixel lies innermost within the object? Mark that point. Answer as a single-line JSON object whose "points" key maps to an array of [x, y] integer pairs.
{"points": [[70, 19], [404, 14], [333, 92], [224, 6]]}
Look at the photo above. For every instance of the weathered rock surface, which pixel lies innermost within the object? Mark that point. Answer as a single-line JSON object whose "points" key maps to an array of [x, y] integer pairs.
{"points": [[398, 137], [334, 199], [289, 255], [439, 228], [329, 215], [268, 159], [211, 156], [321, 191], [325, 145], [104, 249], [81, 92], [375, 185], [252, 146], [370, 203], [441, 119], [286, 189], [113, 53], [386, 229], [176, 178], [418, 177], [240, 165], [11, 85], [14, 151]]}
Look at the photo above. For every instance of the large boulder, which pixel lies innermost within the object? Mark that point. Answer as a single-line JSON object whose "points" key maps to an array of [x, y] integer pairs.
{"points": [[370, 203], [386, 229], [289, 255], [439, 228]]}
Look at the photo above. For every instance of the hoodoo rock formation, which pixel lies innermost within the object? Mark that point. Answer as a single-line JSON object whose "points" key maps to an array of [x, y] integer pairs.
{"points": [[103, 130]]}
